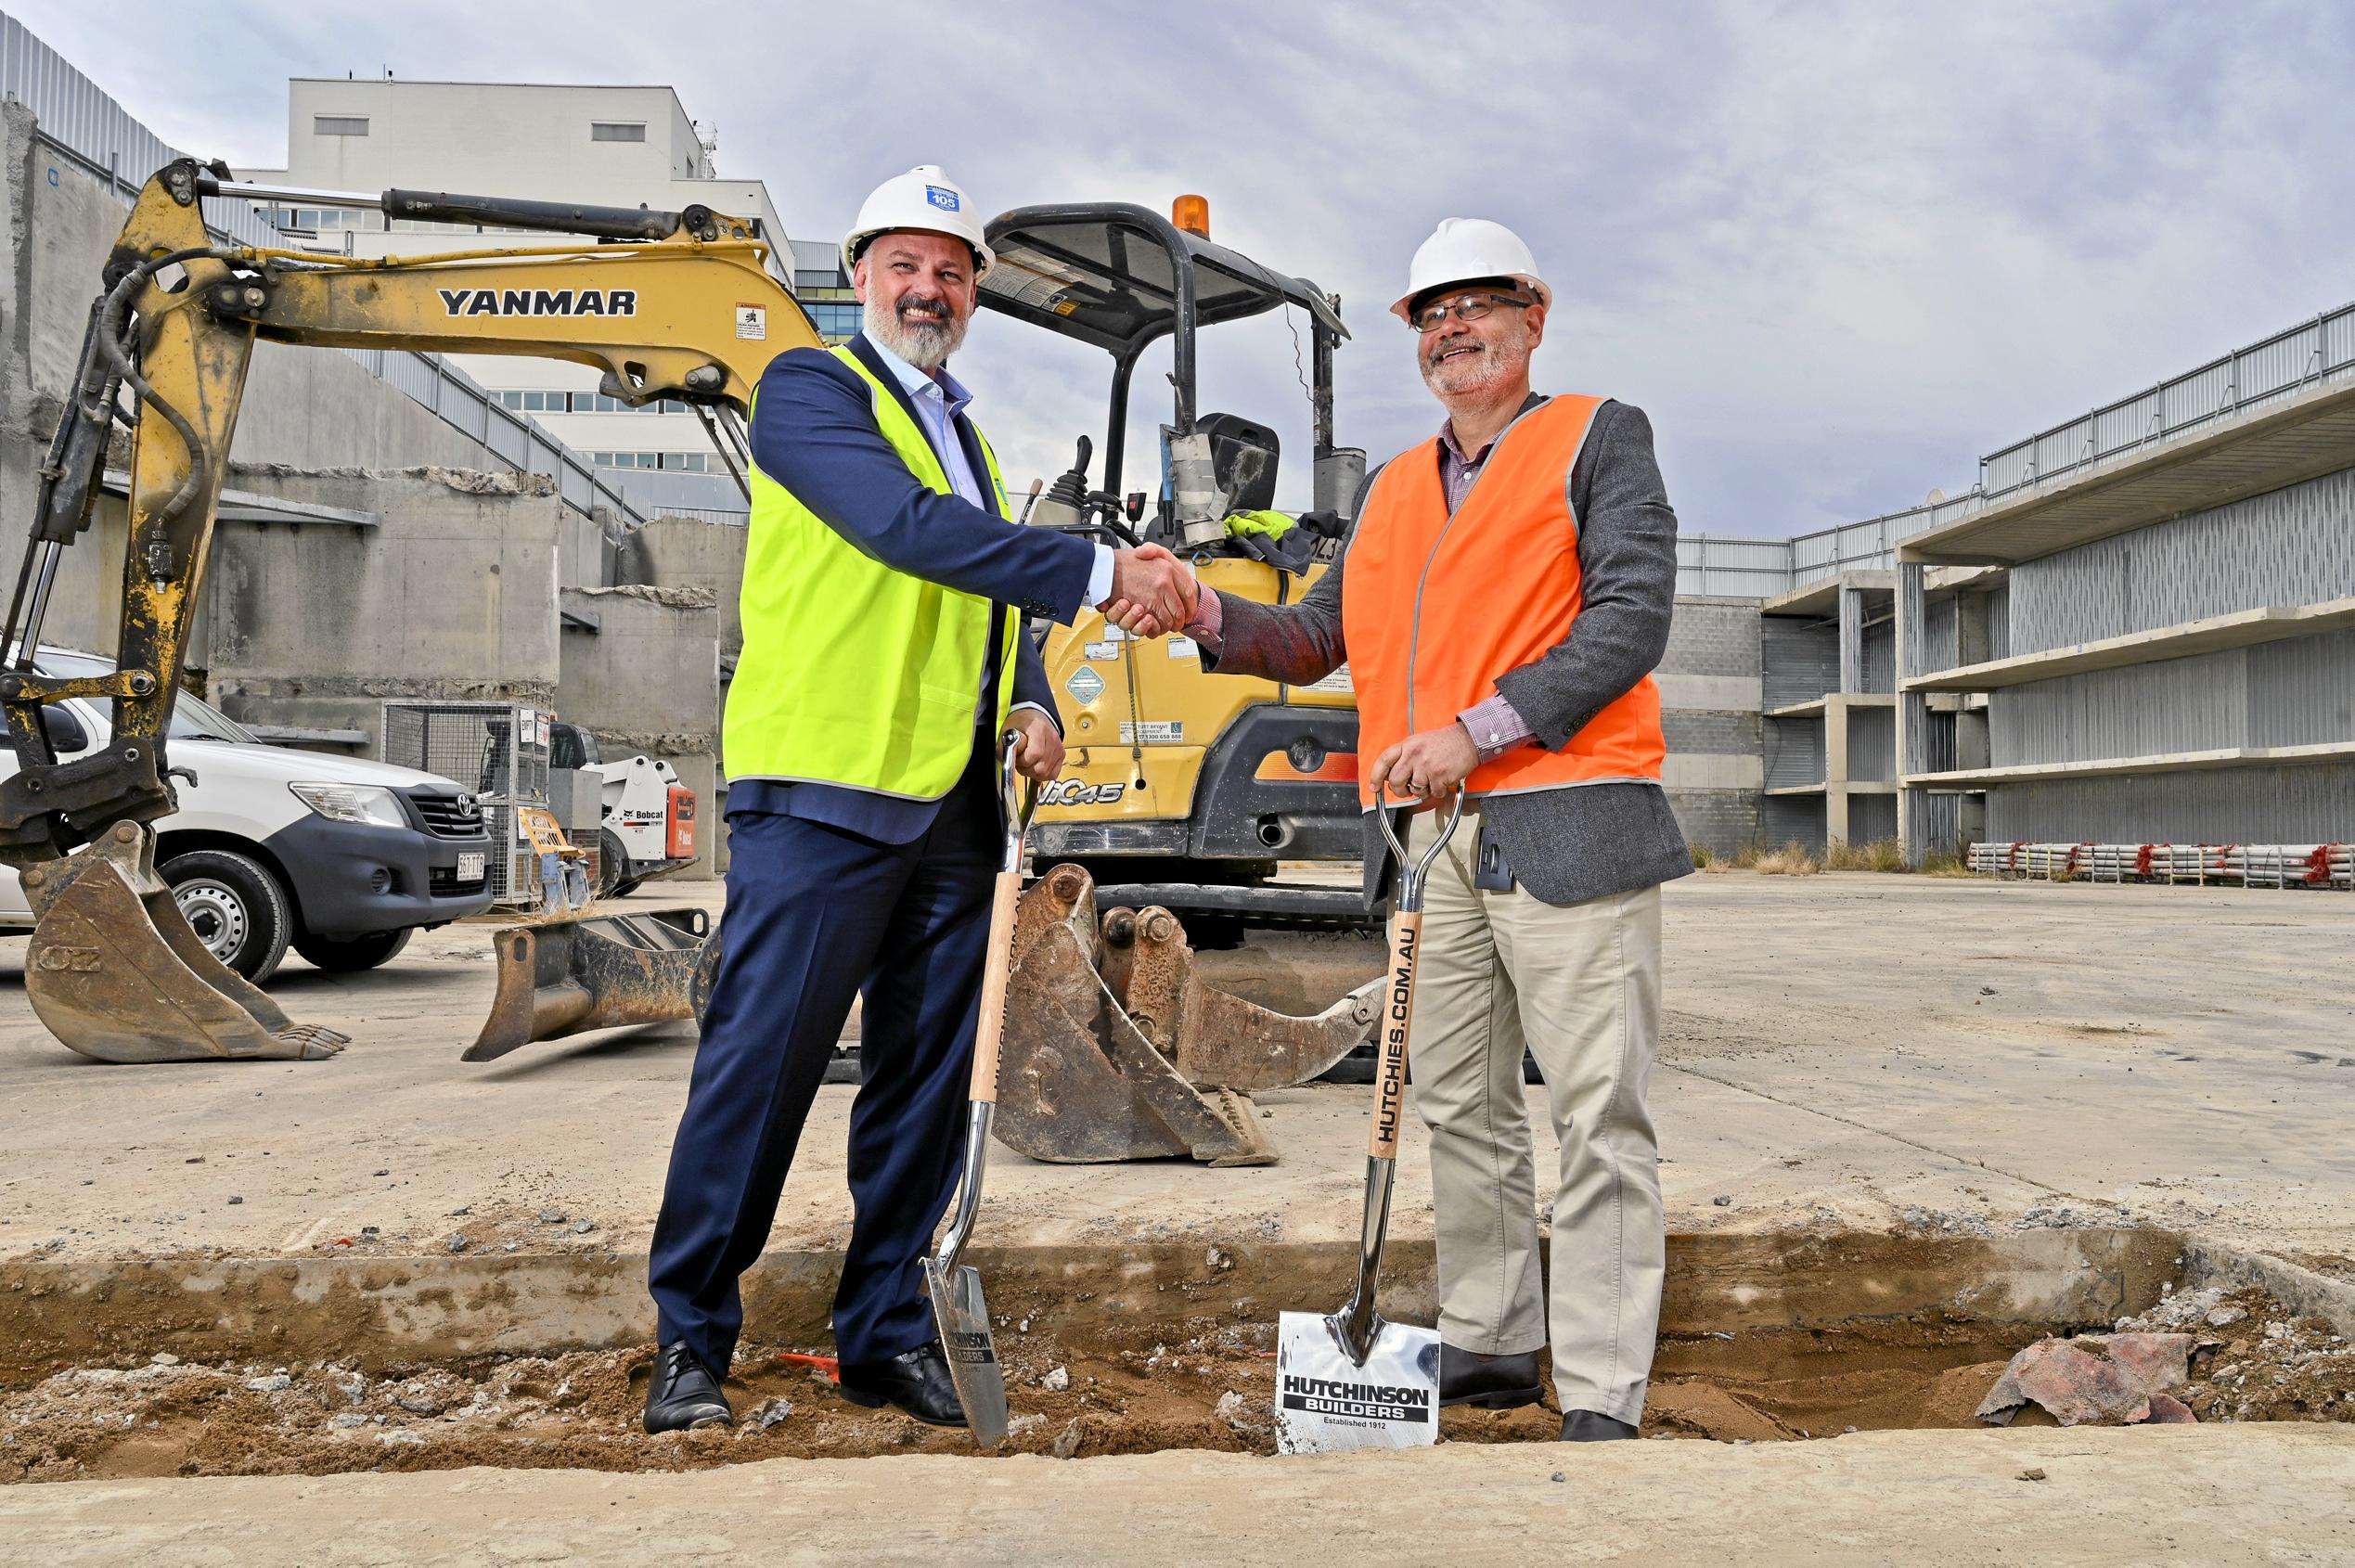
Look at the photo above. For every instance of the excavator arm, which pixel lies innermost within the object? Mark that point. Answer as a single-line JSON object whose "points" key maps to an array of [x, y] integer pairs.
{"points": [[672, 305], [1115, 1049]]}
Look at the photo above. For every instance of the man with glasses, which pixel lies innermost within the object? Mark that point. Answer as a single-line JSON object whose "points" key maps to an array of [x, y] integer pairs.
{"points": [[1510, 586]]}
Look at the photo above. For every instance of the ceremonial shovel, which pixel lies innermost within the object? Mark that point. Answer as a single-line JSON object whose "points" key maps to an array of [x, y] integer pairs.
{"points": [[958, 1308], [1352, 1381]]}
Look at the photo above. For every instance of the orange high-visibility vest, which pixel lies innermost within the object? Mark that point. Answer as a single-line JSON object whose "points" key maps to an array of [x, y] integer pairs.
{"points": [[1434, 608]]}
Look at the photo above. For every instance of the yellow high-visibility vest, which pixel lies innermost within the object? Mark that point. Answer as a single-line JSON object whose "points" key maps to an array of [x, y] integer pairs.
{"points": [[854, 673]]}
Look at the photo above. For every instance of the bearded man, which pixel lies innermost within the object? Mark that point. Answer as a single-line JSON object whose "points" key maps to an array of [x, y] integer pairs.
{"points": [[883, 598]]}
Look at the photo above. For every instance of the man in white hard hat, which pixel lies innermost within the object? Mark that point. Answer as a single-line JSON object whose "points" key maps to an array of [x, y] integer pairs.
{"points": [[1510, 586], [883, 599]]}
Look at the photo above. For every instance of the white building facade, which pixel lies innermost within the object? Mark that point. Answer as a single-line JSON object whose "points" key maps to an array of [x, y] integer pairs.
{"points": [[614, 147]]}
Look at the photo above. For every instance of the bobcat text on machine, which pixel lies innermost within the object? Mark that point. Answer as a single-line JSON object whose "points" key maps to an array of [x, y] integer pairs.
{"points": [[646, 822], [668, 304]]}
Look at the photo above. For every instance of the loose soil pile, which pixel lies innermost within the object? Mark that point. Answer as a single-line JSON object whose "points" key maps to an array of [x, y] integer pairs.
{"points": [[1205, 1383]]}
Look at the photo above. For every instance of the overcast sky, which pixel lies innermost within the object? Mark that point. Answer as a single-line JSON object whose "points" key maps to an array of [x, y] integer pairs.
{"points": [[1836, 250]]}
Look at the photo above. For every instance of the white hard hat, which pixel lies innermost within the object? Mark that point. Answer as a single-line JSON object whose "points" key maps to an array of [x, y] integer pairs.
{"points": [[1465, 250], [926, 198]]}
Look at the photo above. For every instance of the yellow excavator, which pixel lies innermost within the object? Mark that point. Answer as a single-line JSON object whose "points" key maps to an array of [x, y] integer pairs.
{"points": [[666, 305], [1181, 790], [675, 305]]}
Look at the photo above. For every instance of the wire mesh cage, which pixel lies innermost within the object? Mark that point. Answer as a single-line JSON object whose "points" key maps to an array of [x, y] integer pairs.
{"points": [[499, 752]]}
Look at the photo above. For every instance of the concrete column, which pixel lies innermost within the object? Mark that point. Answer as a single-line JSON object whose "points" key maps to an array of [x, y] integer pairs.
{"points": [[1836, 752], [1913, 715], [1851, 638]]}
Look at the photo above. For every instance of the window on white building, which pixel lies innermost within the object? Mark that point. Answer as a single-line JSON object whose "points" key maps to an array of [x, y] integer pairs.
{"points": [[675, 462], [339, 124], [616, 131]]}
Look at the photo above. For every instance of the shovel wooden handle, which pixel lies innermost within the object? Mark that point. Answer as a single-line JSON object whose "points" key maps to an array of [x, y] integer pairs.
{"points": [[992, 998], [1397, 1014]]}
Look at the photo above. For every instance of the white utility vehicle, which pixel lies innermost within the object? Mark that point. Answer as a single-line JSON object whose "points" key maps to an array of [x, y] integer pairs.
{"points": [[339, 857]]}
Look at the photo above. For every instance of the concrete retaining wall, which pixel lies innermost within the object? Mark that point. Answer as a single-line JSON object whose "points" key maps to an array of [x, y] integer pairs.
{"points": [[645, 680], [451, 595]]}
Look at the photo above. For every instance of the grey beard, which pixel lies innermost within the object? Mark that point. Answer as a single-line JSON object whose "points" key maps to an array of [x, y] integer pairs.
{"points": [[925, 345], [1458, 378], [1499, 361]]}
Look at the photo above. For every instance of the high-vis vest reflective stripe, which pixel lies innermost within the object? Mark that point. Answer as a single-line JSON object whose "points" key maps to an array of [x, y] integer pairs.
{"points": [[854, 673], [1435, 607]]}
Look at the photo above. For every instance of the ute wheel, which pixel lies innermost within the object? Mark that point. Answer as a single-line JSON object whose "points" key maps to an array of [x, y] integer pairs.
{"points": [[236, 908], [348, 955]]}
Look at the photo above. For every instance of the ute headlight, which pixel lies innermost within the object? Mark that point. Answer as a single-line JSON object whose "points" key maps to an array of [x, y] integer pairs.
{"points": [[370, 803]]}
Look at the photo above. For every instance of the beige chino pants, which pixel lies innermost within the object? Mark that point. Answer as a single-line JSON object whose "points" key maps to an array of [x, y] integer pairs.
{"points": [[1580, 986]]}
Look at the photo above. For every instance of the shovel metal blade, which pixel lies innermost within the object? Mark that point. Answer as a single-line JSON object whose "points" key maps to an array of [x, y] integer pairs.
{"points": [[1329, 1402], [963, 1319]]}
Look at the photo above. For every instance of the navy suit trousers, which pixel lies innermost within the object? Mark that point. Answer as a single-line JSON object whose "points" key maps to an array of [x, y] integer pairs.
{"points": [[816, 914]]}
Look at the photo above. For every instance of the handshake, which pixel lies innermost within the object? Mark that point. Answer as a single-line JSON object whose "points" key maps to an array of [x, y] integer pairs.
{"points": [[1153, 592]]}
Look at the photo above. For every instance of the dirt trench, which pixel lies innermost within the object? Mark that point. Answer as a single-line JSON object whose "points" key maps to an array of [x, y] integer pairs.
{"points": [[1763, 1340]]}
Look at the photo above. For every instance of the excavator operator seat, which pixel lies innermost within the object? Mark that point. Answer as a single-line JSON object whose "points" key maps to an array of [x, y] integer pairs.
{"points": [[1242, 458]]}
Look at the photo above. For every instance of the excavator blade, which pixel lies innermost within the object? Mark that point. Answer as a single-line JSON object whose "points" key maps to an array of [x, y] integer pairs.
{"points": [[566, 976], [1114, 1049], [115, 973], [1078, 1084], [1217, 1040]]}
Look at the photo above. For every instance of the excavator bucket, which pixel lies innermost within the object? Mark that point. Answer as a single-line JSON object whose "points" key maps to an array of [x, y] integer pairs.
{"points": [[567, 976], [1115, 1048], [115, 972]]}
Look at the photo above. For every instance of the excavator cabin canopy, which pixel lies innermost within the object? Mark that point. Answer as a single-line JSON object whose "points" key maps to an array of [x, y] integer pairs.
{"points": [[1121, 277]]}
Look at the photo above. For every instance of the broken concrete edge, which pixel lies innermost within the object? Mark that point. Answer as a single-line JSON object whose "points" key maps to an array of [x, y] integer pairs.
{"points": [[378, 1310], [466, 482], [675, 598], [2300, 1288], [616, 744]]}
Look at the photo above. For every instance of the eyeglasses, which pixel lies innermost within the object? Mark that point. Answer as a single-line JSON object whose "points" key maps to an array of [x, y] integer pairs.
{"points": [[1468, 308]]}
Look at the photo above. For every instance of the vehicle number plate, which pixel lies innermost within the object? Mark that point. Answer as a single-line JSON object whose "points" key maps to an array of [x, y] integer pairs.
{"points": [[471, 865]]}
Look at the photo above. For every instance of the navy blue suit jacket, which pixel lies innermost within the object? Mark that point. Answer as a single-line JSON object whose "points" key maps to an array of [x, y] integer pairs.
{"points": [[814, 431]]}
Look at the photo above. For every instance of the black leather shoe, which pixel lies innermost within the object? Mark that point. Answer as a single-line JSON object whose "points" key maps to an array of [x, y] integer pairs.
{"points": [[916, 1384], [1593, 1426], [1492, 1383], [682, 1393]]}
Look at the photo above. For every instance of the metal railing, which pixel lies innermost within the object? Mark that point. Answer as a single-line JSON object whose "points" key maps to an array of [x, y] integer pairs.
{"points": [[2308, 354]]}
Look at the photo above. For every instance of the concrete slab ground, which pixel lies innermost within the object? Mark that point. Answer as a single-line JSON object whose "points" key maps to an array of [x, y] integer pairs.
{"points": [[2207, 1494], [1848, 1048], [1844, 1054]]}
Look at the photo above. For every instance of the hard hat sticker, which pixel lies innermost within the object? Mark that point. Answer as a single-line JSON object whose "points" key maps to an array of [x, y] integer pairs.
{"points": [[941, 197]]}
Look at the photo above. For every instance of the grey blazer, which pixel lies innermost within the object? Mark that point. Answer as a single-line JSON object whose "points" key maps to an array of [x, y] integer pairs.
{"points": [[1569, 845]]}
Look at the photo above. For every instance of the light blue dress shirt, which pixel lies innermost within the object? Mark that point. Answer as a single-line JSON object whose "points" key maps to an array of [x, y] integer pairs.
{"points": [[938, 400]]}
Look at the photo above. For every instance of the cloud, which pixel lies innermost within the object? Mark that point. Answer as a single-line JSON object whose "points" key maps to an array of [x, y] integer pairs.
{"points": [[1836, 250]]}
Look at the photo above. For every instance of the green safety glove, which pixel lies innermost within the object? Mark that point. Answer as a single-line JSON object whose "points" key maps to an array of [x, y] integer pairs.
{"points": [[1273, 525]]}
